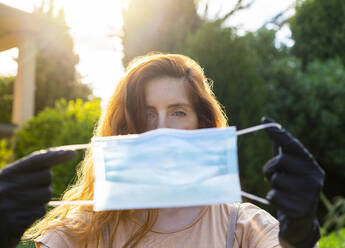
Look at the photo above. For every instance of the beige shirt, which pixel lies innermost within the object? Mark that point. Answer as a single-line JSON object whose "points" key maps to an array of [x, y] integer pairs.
{"points": [[254, 228]]}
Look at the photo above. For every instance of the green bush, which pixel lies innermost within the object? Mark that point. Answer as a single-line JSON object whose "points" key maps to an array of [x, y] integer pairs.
{"points": [[6, 98], [335, 239], [6, 153], [68, 123], [29, 244], [335, 219]]}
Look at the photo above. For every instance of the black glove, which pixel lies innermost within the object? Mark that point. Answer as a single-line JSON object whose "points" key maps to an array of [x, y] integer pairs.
{"points": [[24, 191], [296, 180]]}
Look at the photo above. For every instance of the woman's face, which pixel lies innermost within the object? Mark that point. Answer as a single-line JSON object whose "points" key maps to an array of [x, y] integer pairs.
{"points": [[168, 106]]}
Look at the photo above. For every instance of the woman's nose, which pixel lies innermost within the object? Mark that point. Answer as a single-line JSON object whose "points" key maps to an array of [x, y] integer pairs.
{"points": [[162, 121]]}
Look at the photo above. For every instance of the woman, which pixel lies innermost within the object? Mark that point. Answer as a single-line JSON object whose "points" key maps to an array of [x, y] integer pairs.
{"points": [[158, 91]]}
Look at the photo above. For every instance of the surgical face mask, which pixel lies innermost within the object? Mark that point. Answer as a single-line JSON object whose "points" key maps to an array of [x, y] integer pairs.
{"points": [[166, 168]]}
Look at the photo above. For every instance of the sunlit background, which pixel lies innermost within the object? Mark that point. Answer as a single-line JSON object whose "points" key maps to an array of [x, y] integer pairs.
{"points": [[259, 67], [96, 26]]}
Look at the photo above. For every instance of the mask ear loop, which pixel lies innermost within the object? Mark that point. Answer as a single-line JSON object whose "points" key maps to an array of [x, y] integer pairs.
{"points": [[257, 128], [71, 203], [77, 147], [251, 130]]}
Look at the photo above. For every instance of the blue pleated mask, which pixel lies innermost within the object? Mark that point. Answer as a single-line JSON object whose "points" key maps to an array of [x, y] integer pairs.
{"points": [[166, 168]]}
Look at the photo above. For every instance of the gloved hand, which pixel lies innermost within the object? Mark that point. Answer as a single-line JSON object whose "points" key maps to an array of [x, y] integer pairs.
{"points": [[24, 190], [296, 180]]}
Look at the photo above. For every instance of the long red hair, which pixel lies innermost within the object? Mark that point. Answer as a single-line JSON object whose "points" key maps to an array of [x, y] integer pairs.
{"points": [[124, 114]]}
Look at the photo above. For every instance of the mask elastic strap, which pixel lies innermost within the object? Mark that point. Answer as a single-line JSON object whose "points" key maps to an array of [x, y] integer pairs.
{"points": [[255, 198], [257, 128], [251, 130], [75, 147], [79, 203]]}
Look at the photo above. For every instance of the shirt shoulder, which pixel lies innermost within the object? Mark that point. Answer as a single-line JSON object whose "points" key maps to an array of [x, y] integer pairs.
{"points": [[54, 238], [255, 227], [249, 212], [61, 237]]}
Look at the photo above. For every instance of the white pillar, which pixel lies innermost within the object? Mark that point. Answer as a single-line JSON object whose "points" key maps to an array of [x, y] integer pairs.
{"points": [[24, 85]]}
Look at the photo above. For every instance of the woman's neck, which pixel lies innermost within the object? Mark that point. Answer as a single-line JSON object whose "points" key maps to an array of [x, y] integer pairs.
{"points": [[170, 219]]}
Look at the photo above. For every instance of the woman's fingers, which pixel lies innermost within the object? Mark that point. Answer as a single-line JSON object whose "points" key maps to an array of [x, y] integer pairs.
{"points": [[288, 164], [282, 138], [295, 184], [38, 161]]}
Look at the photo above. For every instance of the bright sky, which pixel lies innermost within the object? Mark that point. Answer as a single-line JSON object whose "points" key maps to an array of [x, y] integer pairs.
{"points": [[91, 22]]}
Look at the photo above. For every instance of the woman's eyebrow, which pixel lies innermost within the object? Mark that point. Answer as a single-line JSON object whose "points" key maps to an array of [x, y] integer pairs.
{"points": [[171, 105], [149, 107], [178, 105]]}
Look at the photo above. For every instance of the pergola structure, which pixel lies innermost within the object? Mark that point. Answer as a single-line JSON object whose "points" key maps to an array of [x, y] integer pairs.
{"points": [[19, 29]]}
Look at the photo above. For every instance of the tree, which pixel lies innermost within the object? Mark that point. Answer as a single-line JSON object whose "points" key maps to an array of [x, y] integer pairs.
{"points": [[162, 26], [318, 29], [56, 76], [263, 41], [151, 25]]}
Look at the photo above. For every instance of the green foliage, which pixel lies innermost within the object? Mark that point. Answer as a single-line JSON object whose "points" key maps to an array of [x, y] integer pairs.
{"points": [[68, 123], [311, 105], [264, 43], [157, 26], [335, 219], [6, 98], [6, 153], [29, 244], [308, 103], [335, 239], [56, 76], [318, 29]]}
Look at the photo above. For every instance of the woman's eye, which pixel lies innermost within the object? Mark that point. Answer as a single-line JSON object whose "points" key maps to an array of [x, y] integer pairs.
{"points": [[150, 116], [179, 113]]}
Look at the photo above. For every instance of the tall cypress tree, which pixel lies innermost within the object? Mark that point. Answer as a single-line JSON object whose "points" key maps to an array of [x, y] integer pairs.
{"points": [[56, 76], [157, 25]]}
